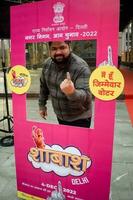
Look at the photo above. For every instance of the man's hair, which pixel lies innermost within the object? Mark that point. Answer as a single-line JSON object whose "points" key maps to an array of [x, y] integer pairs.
{"points": [[66, 41]]}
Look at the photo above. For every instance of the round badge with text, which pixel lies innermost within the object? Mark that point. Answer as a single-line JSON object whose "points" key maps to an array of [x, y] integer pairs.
{"points": [[19, 79], [106, 82]]}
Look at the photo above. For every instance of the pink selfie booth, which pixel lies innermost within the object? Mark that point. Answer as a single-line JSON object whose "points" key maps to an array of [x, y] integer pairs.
{"points": [[76, 162]]}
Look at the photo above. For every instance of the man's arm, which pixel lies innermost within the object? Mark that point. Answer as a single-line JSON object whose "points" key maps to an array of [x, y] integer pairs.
{"points": [[43, 96]]}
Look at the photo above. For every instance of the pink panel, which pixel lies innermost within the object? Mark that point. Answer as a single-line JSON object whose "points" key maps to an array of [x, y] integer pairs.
{"points": [[36, 22]]}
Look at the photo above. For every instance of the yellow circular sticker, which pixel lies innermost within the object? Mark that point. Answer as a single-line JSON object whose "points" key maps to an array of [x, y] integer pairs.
{"points": [[19, 79], [106, 82]]}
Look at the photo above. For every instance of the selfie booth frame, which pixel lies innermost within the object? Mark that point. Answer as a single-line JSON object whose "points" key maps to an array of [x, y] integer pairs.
{"points": [[90, 178]]}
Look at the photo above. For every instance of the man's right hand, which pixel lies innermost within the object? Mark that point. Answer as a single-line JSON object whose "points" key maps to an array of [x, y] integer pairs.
{"points": [[67, 86], [43, 113]]}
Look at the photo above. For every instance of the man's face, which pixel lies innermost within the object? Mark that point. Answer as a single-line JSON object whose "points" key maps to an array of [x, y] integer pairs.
{"points": [[59, 52]]}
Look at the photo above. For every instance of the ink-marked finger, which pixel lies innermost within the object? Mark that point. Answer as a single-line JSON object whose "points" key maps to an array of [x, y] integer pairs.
{"points": [[68, 76]]}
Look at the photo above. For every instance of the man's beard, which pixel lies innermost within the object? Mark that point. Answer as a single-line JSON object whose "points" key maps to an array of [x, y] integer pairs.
{"points": [[60, 59]]}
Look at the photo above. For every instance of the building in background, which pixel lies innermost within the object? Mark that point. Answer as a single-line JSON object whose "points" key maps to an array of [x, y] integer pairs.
{"points": [[127, 45]]}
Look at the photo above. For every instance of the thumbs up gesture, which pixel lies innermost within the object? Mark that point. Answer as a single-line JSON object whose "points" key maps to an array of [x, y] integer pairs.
{"points": [[67, 86]]}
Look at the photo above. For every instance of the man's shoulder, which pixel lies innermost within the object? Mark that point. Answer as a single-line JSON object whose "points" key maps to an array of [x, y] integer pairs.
{"points": [[46, 65], [77, 59], [47, 61]]}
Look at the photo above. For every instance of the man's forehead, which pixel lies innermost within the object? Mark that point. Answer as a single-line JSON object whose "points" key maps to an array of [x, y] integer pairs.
{"points": [[58, 44]]}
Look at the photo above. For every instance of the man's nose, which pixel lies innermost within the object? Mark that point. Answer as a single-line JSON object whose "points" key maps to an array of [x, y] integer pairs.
{"points": [[58, 51]]}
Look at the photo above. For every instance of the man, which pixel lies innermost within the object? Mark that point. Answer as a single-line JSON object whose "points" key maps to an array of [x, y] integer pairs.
{"points": [[65, 77]]}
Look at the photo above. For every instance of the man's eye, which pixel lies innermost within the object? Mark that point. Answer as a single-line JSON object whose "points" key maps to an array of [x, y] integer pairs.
{"points": [[62, 48], [53, 49]]}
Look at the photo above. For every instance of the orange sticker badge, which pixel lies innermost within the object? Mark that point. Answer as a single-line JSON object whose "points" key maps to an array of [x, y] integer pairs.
{"points": [[19, 79], [106, 82]]}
